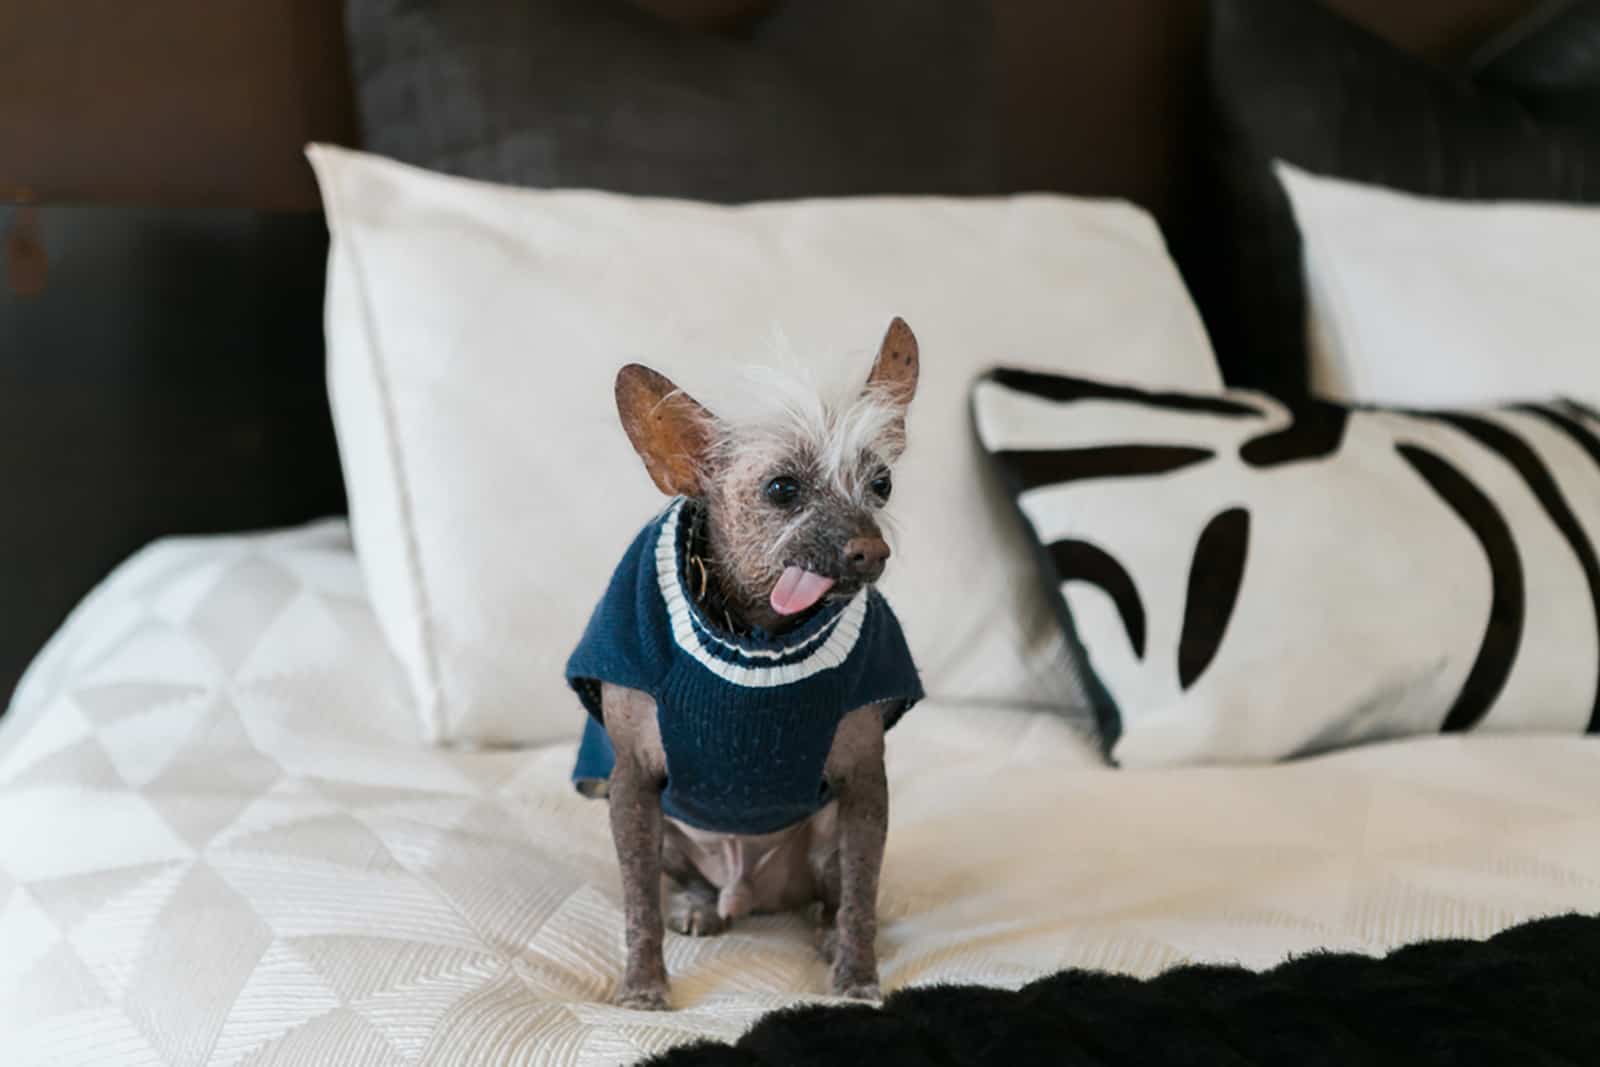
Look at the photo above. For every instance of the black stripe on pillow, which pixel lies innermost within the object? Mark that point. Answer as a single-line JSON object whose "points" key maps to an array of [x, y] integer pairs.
{"points": [[1215, 576], [1582, 409], [1079, 561], [1316, 432], [1052, 466], [1502, 634], [1053, 387], [1581, 435], [1515, 451]]}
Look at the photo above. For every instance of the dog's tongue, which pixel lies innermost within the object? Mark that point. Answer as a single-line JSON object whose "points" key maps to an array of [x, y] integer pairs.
{"points": [[797, 590]]}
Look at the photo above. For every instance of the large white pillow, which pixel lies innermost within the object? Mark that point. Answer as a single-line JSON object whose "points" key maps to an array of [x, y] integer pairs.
{"points": [[1415, 300], [474, 333]]}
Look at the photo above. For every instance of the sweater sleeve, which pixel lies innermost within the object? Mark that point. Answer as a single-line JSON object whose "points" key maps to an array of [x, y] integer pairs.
{"points": [[626, 642], [887, 672]]}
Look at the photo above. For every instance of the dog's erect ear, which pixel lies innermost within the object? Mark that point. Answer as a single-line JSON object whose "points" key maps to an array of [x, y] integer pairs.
{"points": [[894, 372], [895, 369], [668, 428]]}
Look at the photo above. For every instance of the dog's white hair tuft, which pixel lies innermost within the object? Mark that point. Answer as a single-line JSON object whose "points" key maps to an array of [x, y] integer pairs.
{"points": [[784, 411]]}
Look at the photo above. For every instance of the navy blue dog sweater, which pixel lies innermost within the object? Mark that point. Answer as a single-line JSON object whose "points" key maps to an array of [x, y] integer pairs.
{"points": [[746, 722]]}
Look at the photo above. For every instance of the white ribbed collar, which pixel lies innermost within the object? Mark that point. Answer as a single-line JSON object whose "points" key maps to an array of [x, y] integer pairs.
{"points": [[822, 643]]}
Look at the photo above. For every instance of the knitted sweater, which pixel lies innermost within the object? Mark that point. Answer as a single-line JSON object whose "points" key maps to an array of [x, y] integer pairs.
{"points": [[746, 722]]}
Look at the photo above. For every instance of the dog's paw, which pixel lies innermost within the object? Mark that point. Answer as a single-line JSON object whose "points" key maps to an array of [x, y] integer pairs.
{"points": [[642, 997], [864, 991], [855, 986], [693, 915], [854, 978]]}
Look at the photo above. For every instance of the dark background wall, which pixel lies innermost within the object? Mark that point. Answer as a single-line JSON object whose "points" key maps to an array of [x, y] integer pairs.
{"points": [[170, 101]]}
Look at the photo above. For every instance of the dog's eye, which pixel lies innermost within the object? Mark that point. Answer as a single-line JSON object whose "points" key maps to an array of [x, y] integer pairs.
{"points": [[782, 491], [881, 486]]}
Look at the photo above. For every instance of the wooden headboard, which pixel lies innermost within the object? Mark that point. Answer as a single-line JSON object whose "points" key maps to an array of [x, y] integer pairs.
{"points": [[160, 359]]}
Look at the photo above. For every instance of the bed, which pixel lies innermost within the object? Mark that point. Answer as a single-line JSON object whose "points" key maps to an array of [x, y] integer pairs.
{"points": [[266, 866], [224, 838]]}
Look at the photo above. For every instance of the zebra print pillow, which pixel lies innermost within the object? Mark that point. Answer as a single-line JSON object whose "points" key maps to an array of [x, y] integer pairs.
{"points": [[1249, 582]]}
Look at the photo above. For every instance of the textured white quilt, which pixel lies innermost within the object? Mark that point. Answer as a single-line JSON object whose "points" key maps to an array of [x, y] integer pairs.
{"points": [[221, 843]]}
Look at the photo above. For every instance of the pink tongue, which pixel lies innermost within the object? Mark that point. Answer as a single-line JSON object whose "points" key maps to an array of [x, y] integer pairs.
{"points": [[797, 590]]}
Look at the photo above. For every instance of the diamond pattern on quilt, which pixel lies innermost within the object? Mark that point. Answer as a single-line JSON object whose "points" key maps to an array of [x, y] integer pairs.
{"points": [[107, 705], [335, 837], [340, 1036], [215, 776], [82, 764], [65, 725], [41, 829], [241, 606], [152, 652], [76, 898], [411, 1014], [362, 968], [28, 936], [210, 942], [221, 843], [102, 1035], [307, 637], [282, 994], [111, 939], [56, 984]]}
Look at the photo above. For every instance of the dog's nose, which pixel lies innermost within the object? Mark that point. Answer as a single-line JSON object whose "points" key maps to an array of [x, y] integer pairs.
{"points": [[865, 557]]}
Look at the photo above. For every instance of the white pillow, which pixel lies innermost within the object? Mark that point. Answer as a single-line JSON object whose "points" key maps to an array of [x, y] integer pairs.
{"points": [[474, 332], [1413, 300]]}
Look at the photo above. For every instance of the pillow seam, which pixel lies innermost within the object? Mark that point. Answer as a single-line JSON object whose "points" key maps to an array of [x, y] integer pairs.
{"points": [[1103, 707], [435, 719]]}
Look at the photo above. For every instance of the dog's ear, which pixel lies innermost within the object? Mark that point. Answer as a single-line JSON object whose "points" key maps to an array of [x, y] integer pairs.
{"points": [[894, 372], [671, 432]]}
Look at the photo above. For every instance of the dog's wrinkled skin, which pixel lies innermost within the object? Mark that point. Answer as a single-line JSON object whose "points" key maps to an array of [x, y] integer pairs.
{"points": [[840, 458]]}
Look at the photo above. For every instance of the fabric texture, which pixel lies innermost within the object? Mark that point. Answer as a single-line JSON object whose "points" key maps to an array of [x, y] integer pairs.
{"points": [[729, 705], [1297, 82], [1417, 300], [573, 94], [1252, 582], [475, 333], [222, 843], [1550, 61], [895, 97], [1523, 997]]}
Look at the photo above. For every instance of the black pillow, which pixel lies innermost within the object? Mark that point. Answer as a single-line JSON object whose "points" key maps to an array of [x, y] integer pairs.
{"points": [[809, 100], [1549, 61], [1292, 80]]}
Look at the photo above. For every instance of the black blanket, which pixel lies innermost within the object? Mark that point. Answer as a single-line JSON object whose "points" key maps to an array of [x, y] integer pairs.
{"points": [[1527, 997]]}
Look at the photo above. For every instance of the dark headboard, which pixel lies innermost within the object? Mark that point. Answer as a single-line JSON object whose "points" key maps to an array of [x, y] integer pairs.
{"points": [[160, 352], [165, 379]]}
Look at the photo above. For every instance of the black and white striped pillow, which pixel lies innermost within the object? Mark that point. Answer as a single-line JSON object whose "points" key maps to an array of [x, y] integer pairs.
{"points": [[1249, 582]]}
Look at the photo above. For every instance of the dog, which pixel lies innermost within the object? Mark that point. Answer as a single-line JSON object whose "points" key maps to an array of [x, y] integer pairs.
{"points": [[741, 670]]}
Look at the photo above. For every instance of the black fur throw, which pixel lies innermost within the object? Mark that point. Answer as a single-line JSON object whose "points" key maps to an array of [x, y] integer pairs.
{"points": [[1527, 996]]}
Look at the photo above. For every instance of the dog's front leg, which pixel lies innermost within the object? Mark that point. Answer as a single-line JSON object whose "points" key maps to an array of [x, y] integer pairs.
{"points": [[635, 799], [856, 774]]}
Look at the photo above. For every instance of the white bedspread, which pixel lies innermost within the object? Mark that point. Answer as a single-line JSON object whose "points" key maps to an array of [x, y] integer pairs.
{"points": [[221, 843]]}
